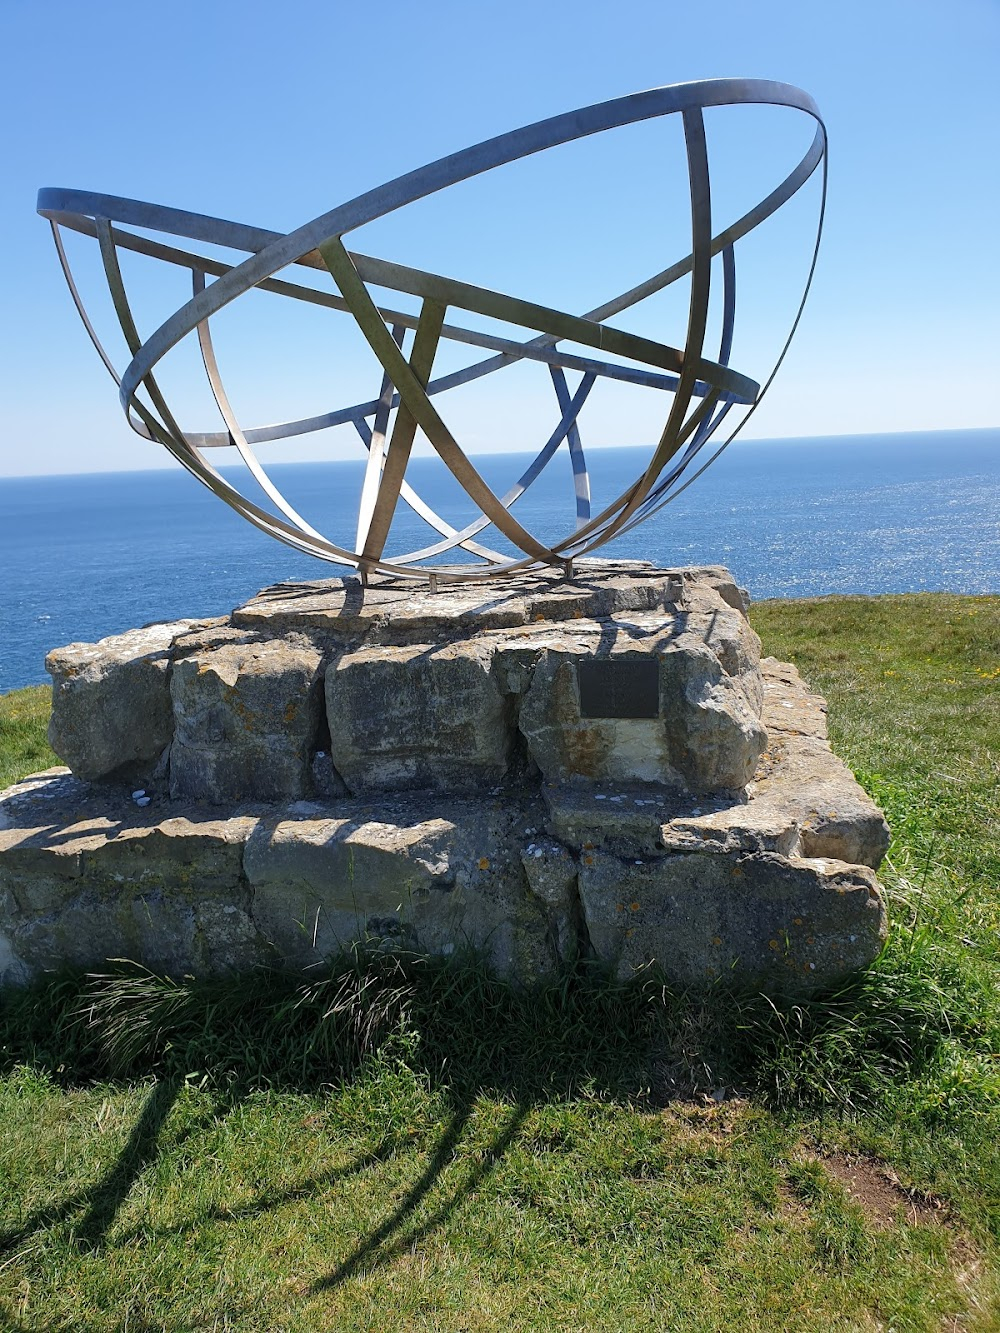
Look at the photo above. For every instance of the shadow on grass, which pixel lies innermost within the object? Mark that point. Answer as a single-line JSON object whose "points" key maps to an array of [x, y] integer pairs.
{"points": [[461, 1031], [466, 1035], [105, 1197], [375, 1250], [270, 1200]]}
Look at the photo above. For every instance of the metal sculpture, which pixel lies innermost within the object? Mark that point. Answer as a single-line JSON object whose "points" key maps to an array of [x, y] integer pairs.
{"points": [[702, 390]]}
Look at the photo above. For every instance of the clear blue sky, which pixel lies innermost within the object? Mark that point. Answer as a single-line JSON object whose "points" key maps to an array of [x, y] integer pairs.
{"points": [[272, 114]]}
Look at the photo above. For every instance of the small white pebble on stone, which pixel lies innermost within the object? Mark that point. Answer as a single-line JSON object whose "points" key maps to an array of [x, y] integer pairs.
{"points": [[600, 797], [786, 704], [853, 938], [137, 794], [538, 851], [812, 967], [143, 800], [696, 811]]}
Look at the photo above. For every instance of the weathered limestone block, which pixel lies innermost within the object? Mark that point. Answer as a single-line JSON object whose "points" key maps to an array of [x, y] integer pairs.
{"points": [[706, 734], [381, 613], [757, 919], [804, 800], [728, 636], [111, 714], [247, 719], [87, 876], [322, 880], [399, 612], [722, 582], [551, 871], [734, 828], [418, 716], [715, 731], [567, 746], [532, 770], [625, 819], [415, 876], [800, 774]]}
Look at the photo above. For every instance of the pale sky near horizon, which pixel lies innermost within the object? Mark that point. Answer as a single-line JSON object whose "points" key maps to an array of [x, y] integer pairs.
{"points": [[272, 114]]}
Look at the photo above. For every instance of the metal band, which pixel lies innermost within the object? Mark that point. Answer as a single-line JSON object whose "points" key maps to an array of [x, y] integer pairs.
{"points": [[703, 392]]}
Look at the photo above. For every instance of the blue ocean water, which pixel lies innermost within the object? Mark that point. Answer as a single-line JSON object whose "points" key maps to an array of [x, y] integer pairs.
{"points": [[91, 555]]}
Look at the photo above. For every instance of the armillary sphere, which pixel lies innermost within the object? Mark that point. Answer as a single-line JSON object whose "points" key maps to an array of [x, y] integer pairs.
{"points": [[700, 390]]}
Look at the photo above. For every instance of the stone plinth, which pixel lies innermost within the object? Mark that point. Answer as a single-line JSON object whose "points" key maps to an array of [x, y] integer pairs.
{"points": [[536, 771]]}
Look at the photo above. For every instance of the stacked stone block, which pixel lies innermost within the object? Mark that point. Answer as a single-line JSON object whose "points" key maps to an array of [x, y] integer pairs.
{"points": [[331, 764]]}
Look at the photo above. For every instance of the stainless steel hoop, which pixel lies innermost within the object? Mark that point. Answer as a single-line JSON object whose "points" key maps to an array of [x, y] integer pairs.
{"points": [[702, 390]]}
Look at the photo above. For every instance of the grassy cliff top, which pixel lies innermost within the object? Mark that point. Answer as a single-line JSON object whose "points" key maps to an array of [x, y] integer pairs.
{"points": [[397, 1146]]}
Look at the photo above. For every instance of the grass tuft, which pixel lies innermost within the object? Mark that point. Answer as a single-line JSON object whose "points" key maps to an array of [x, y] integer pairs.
{"points": [[581, 1034]]}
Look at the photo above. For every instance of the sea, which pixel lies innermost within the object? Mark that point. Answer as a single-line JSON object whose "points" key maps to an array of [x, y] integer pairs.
{"points": [[90, 555]]}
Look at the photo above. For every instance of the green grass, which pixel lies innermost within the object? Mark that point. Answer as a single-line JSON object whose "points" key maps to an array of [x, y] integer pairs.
{"points": [[23, 747], [400, 1145]]}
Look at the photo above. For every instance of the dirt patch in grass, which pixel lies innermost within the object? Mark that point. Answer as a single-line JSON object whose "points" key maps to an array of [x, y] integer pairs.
{"points": [[879, 1194]]}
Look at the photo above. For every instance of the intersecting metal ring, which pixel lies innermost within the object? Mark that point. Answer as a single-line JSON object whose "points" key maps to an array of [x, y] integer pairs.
{"points": [[701, 390]]}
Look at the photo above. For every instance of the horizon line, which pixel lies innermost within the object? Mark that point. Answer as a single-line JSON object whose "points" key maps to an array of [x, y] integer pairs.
{"points": [[500, 453]]}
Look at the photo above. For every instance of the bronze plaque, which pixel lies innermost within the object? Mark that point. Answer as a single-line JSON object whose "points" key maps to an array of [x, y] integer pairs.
{"points": [[619, 687]]}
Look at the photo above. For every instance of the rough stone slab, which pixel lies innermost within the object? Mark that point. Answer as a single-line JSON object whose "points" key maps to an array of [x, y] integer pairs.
{"points": [[420, 876], [209, 634], [756, 919], [734, 828], [707, 734], [802, 779], [111, 714], [790, 707], [398, 611], [426, 716], [87, 876], [247, 719], [616, 816], [551, 870], [804, 800]]}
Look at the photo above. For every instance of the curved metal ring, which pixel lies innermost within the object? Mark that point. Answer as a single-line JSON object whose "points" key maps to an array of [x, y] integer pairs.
{"points": [[703, 389]]}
